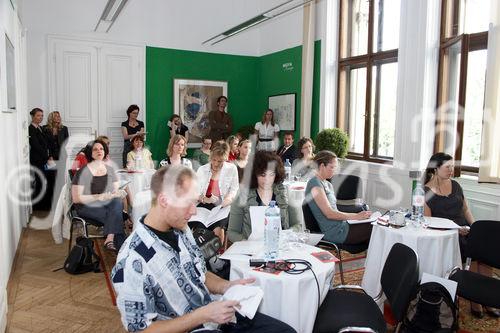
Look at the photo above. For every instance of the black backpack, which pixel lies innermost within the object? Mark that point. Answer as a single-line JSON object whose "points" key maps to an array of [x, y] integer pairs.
{"points": [[82, 258], [432, 310]]}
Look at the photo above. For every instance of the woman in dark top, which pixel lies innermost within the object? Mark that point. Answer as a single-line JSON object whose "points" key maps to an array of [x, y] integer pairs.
{"points": [[40, 157], [96, 194], [175, 126], [56, 133], [131, 128], [444, 198]]}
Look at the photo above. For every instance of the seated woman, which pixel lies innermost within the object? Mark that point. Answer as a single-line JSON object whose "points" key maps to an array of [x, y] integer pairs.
{"points": [[201, 156], [81, 157], [244, 147], [303, 166], [176, 150], [232, 141], [218, 184], [323, 204], [96, 195], [139, 157], [266, 184], [444, 198]]}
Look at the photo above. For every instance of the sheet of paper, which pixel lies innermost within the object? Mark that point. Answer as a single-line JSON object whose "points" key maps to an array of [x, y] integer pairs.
{"points": [[314, 239], [245, 248], [248, 296], [440, 223], [450, 285], [372, 218], [257, 218]]}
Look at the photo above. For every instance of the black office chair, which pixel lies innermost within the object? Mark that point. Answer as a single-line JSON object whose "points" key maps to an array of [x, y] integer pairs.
{"points": [[349, 193], [311, 224], [349, 307], [483, 245]]}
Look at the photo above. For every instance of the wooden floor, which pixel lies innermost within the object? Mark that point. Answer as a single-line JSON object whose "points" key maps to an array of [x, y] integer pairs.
{"points": [[40, 300]]}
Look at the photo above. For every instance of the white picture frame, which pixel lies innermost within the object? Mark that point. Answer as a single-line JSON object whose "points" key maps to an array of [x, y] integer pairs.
{"points": [[283, 107]]}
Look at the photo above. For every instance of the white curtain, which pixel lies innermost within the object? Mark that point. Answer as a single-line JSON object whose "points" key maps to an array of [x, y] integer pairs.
{"points": [[489, 169], [307, 68]]}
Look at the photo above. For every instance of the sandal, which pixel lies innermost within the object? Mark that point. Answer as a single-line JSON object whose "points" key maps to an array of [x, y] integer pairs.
{"points": [[110, 246]]}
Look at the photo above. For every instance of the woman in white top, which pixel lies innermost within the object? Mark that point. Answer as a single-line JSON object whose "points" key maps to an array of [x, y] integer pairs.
{"points": [[218, 184], [267, 132], [176, 150], [140, 157]]}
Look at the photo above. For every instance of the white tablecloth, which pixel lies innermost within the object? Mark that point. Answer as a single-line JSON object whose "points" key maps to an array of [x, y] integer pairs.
{"points": [[139, 188], [438, 252], [292, 299]]}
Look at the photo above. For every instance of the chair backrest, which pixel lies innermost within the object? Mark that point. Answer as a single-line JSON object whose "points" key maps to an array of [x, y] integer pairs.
{"points": [[309, 219], [483, 243], [347, 187], [400, 278]]}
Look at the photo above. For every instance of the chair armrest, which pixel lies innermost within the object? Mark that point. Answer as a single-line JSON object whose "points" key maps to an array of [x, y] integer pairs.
{"points": [[451, 272], [356, 329]]}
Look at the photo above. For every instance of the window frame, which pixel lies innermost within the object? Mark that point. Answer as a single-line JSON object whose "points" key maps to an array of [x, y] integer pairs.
{"points": [[368, 61], [470, 42]]}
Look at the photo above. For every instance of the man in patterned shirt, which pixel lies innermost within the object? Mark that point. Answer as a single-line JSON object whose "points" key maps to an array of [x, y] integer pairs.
{"points": [[160, 277]]}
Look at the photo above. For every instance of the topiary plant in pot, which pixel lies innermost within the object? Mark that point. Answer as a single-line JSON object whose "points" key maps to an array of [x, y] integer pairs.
{"points": [[334, 140]]}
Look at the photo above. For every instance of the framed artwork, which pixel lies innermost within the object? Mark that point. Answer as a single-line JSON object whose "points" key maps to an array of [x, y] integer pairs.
{"points": [[283, 107], [193, 100]]}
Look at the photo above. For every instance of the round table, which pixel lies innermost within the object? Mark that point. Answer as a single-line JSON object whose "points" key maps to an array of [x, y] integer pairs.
{"points": [[292, 299], [438, 251]]}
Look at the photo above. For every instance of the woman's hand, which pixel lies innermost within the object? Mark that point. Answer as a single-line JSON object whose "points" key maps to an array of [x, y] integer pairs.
{"points": [[363, 215], [464, 231]]}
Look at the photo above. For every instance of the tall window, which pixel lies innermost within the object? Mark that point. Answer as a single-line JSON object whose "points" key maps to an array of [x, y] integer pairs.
{"points": [[368, 72], [462, 73]]}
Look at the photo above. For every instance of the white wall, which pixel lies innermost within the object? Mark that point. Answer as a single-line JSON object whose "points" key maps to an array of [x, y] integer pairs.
{"points": [[13, 133]]}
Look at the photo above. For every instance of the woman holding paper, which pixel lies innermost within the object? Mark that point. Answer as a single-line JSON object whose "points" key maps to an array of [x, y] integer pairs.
{"points": [[321, 200], [266, 184], [218, 184]]}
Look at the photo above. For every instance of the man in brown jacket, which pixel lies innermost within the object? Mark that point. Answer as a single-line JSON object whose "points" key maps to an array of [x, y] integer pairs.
{"points": [[221, 124]]}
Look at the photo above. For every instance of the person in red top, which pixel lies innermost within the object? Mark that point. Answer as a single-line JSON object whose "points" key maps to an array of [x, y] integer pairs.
{"points": [[233, 142], [80, 160]]}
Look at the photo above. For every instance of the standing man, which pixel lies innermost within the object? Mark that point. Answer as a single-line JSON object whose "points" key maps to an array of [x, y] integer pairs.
{"points": [[160, 276], [221, 124], [288, 151]]}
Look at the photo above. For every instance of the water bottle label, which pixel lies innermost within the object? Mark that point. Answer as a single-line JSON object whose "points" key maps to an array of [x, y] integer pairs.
{"points": [[418, 200]]}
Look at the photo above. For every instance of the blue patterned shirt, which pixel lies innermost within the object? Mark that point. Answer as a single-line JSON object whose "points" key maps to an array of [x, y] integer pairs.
{"points": [[154, 282]]}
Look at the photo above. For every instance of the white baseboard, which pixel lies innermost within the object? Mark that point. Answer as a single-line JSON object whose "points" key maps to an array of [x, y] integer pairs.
{"points": [[3, 310]]}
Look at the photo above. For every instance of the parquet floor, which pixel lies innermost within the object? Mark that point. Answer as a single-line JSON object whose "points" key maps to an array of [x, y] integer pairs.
{"points": [[40, 300]]}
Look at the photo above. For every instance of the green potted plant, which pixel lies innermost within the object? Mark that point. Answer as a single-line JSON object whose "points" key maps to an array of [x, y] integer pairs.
{"points": [[334, 140]]}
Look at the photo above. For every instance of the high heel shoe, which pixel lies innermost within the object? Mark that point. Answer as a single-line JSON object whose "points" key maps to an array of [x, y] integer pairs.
{"points": [[492, 312], [477, 313]]}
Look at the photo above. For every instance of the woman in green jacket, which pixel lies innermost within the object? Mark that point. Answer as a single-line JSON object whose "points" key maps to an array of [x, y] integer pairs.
{"points": [[266, 185]]}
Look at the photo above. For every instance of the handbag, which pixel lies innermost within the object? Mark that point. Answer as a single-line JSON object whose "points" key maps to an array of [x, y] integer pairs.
{"points": [[207, 241], [82, 258]]}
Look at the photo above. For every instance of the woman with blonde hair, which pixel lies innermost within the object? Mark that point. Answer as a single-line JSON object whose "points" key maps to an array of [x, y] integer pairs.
{"points": [[140, 157], [56, 133], [245, 148], [218, 184], [176, 150], [233, 142], [267, 132]]}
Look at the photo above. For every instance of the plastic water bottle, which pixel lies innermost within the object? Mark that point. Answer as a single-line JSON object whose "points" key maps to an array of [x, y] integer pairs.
{"points": [[417, 204], [288, 170], [138, 161], [272, 223]]}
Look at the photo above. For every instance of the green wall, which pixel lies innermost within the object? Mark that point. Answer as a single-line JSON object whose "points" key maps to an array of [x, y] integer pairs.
{"points": [[250, 81]]}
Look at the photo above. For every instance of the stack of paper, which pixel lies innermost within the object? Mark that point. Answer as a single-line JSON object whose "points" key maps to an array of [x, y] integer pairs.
{"points": [[248, 296]]}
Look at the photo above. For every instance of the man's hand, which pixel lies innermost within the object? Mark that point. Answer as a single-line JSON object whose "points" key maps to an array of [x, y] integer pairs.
{"points": [[464, 231], [219, 312], [240, 281]]}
